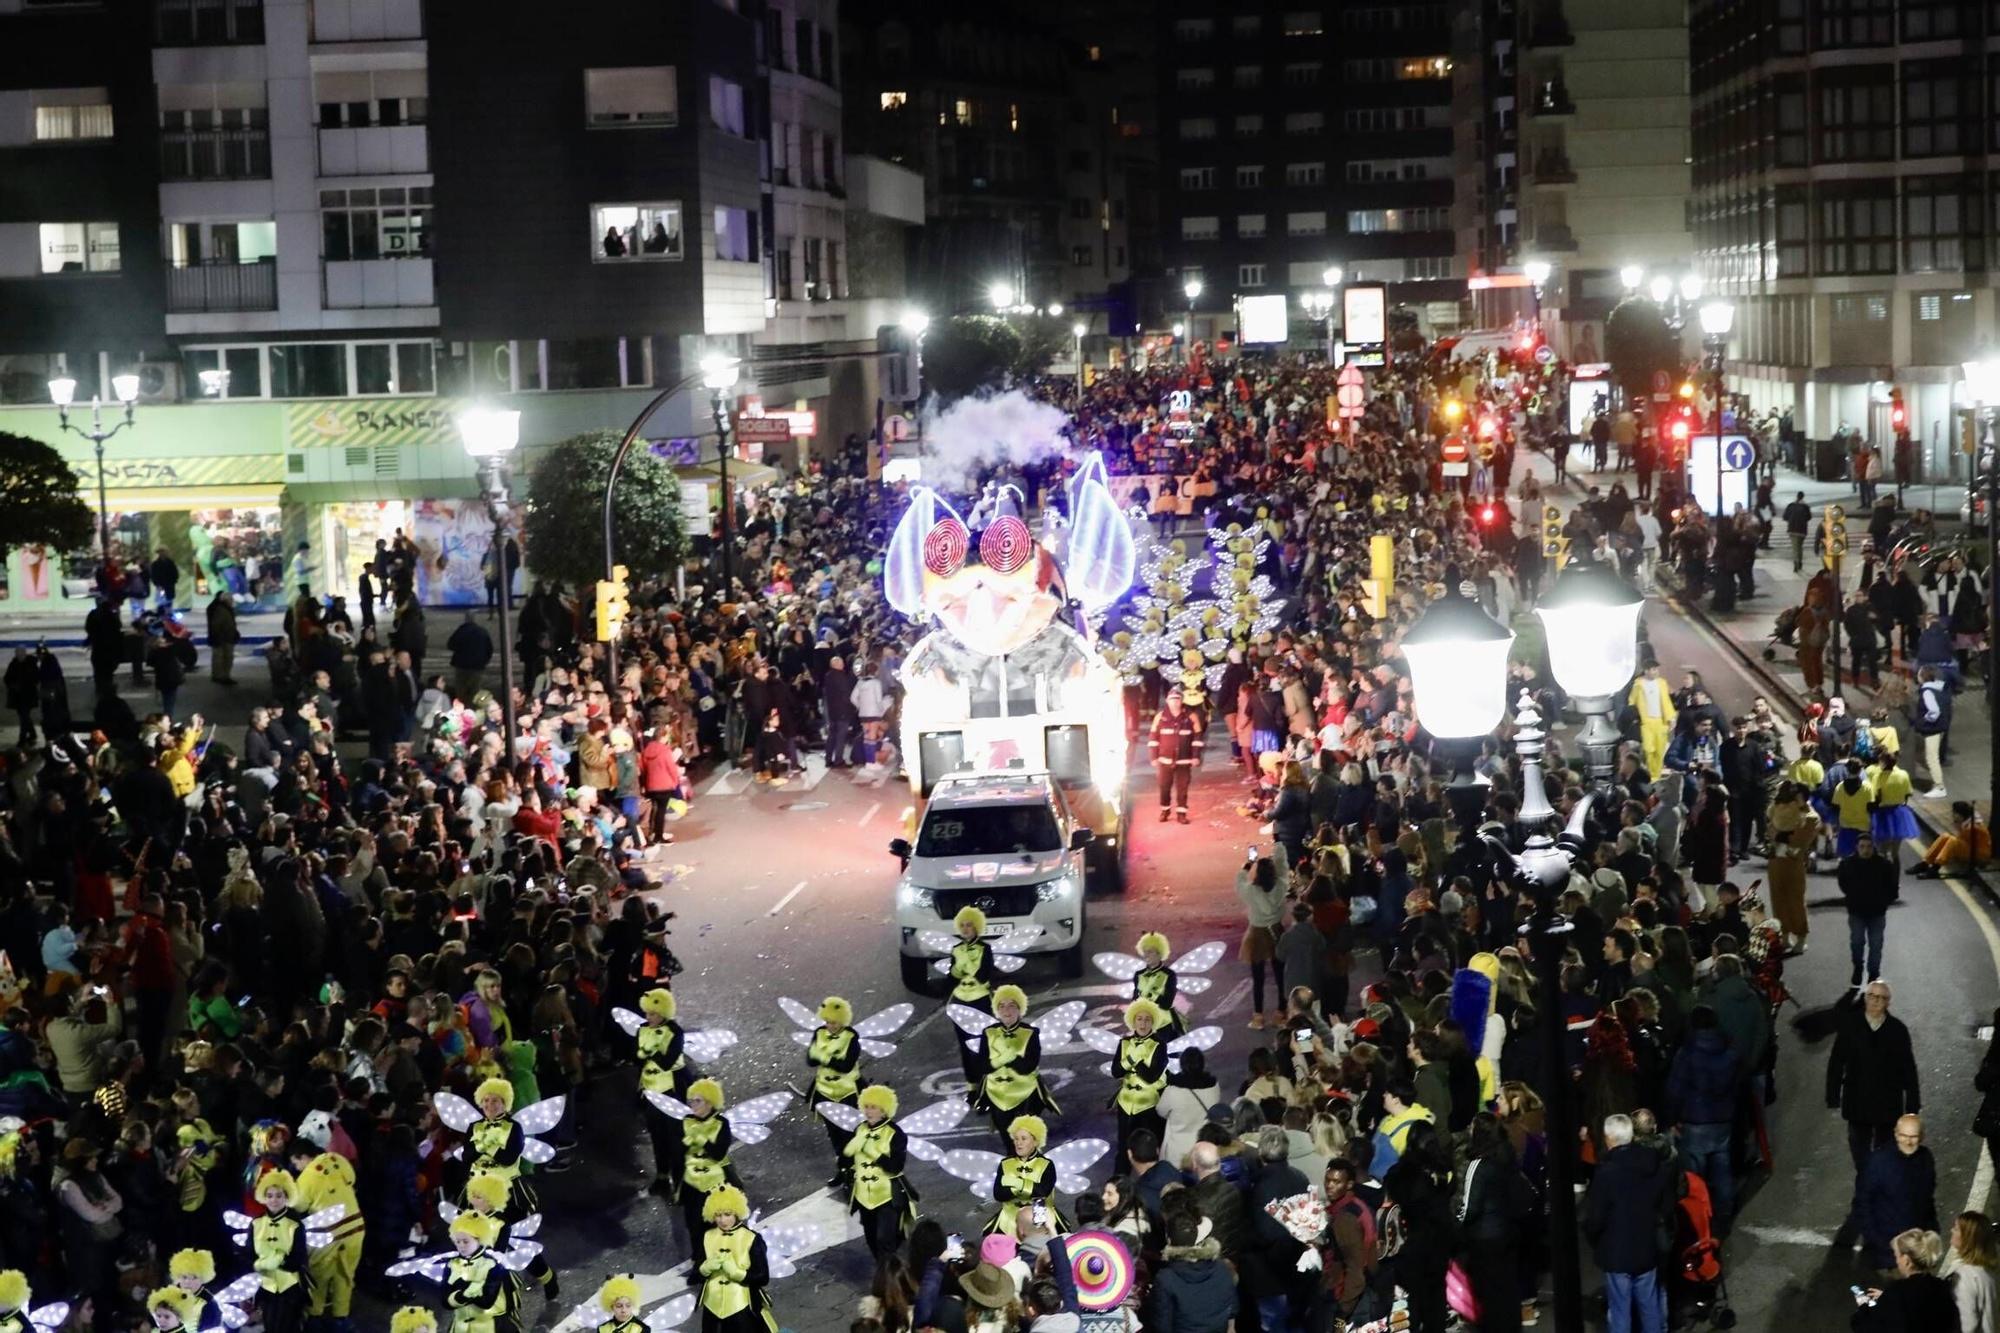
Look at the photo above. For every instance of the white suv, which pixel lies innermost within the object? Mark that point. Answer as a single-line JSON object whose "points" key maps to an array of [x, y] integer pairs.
{"points": [[1005, 843]]}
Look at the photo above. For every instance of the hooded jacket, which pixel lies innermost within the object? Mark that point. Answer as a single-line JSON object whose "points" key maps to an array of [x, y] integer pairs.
{"points": [[1701, 1087], [1628, 1198], [1193, 1292]]}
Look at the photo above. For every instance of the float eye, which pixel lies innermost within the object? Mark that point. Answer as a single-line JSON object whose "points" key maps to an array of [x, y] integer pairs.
{"points": [[1006, 545], [944, 548]]}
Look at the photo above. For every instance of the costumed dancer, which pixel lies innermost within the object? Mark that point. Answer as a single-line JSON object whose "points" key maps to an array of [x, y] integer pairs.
{"points": [[497, 1142], [413, 1319], [1654, 703], [15, 1314], [618, 1302], [663, 1067], [491, 1196], [279, 1254], [481, 1291], [326, 1179], [1159, 983], [1140, 1066], [735, 1268], [191, 1272], [706, 1168], [1026, 1176], [176, 1311], [1475, 995], [835, 1057], [874, 1157], [1890, 820], [973, 974], [1007, 1063]]}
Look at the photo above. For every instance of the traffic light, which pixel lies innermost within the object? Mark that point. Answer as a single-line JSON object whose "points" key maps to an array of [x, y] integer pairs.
{"points": [[1687, 389], [1489, 426], [1680, 430], [1899, 416], [1381, 580], [1453, 409], [1487, 513], [1554, 545], [1836, 535], [612, 606]]}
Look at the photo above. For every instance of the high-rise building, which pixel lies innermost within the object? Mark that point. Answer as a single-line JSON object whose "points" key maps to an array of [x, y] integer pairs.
{"points": [[1841, 199], [318, 228]]}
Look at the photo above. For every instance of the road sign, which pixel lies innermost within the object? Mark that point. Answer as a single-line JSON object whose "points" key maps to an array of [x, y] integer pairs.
{"points": [[1350, 395], [1350, 413], [1545, 355], [1661, 383], [1349, 374], [1737, 455], [1456, 457], [763, 430]]}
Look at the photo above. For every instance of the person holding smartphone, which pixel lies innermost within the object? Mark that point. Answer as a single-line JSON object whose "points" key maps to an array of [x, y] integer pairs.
{"points": [[1264, 885], [1917, 1299]]}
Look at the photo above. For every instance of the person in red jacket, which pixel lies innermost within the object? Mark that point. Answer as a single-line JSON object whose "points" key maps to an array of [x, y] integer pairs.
{"points": [[149, 959], [661, 779], [533, 821]]}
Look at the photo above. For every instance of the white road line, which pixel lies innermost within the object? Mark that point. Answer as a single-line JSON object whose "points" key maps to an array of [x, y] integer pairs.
{"points": [[1788, 1235], [785, 901], [726, 783], [1232, 999], [870, 814]]}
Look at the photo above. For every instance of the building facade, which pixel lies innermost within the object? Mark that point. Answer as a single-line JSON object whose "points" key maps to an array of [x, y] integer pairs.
{"points": [[1843, 200]]}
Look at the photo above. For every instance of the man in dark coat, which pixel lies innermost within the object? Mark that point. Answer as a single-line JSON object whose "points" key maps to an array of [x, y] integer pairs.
{"points": [[1871, 1079], [1270, 1263], [1898, 1191], [843, 723], [1702, 1091], [1193, 1291], [1867, 883], [471, 649], [104, 634], [1631, 1195], [166, 576]]}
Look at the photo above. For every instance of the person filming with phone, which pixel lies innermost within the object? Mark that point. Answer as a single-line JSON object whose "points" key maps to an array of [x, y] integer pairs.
{"points": [[1918, 1299]]}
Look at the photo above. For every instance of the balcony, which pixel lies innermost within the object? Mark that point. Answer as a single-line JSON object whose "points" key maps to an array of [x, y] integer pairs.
{"points": [[208, 22], [374, 150], [1557, 237], [367, 20], [215, 155], [373, 284], [222, 285], [1554, 169], [1552, 99]]}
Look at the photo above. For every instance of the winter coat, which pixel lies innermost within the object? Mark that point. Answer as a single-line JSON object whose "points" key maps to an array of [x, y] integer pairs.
{"points": [[1701, 1087], [1919, 1304], [1867, 883], [1270, 1264], [1629, 1197], [1871, 1077], [1897, 1191], [1222, 1203], [1744, 1016], [1193, 1291], [1932, 714], [1185, 1111]]}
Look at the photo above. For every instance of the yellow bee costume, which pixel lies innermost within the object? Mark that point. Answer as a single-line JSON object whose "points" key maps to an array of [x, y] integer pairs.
{"points": [[835, 1057], [174, 1310], [495, 1142], [1159, 984], [616, 1289], [1008, 1060], [973, 974], [326, 1180], [663, 1067], [1141, 1070], [14, 1298], [279, 1256], [478, 1288], [413, 1319], [490, 1196], [191, 1271], [735, 1269], [706, 1169], [1019, 1181], [873, 1161]]}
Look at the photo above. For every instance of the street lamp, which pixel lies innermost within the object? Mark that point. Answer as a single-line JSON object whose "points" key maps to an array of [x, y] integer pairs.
{"points": [[718, 375], [1001, 294], [1538, 271], [1591, 621], [1077, 330], [1192, 290], [1055, 310], [1631, 276], [1691, 288], [1982, 385], [490, 435], [1458, 681], [62, 392], [1332, 275], [1661, 289]]}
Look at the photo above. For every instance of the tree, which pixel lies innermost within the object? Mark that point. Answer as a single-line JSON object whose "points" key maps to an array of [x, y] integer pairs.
{"points": [[565, 523], [967, 353], [1638, 343], [1043, 339], [38, 500]]}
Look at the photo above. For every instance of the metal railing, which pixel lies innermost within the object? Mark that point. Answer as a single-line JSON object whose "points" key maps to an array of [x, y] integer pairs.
{"points": [[222, 284], [215, 155]]}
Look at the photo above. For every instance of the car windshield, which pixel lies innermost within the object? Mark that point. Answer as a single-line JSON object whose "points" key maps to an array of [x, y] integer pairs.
{"points": [[990, 830]]}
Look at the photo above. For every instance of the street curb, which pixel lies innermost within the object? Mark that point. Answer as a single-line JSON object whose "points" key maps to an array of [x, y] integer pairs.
{"points": [[1755, 665]]}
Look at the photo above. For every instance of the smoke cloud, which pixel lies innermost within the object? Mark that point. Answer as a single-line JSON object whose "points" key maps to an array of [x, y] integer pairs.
{"points": [[979, 433]]}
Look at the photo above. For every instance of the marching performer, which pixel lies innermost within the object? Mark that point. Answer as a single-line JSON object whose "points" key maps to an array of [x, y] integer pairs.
{"points": [[1158, 983], [1007, 1062], [706, 1168], [1140, 1066], [177, 1311], [835, 1057], [874, 1156], [279, 1254], [619, 1299], [482, 1293], [662, 1068], [1025, 1176], [491, 1196], [735, 1268], [496, 1142], [973, 972]]}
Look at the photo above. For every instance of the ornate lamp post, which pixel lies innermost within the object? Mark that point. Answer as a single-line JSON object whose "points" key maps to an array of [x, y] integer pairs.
{"points": [[1592, 622], [490, 436], [62, 392]]}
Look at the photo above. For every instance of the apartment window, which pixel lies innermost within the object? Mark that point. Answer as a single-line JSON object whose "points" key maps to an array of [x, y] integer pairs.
{"points": [[64, 115], [1855, 22], [1198, 127], [1249, 177], [1365, 221], [1791, 27], [1429, 268], [1305, 122], [781, 265], [1200, 228], [1193, 30], [1857, 228], [1247, 76], [725, 104], [309, 370], [389, 222], [1793, 125], [1305, 173], [1246, 25], [356, 98], [1197, 178], [802, 44], [1249, 275], [1931, 20], [1857, 114], [735, 236], [1248, 126], [1859, 329], [895, 101], [399, 368], [1194, 80], [1303, 23], [1942, 332], [1249, 226], [1079, 207], [214, 132], [1794, 233], [1424, 67], [1941, 224], [244, 364], [1079, 256], [1312, 223], [191, 243], [1936, 97], [1305, 73], [633, 97], [79, 247], [209, 22]]}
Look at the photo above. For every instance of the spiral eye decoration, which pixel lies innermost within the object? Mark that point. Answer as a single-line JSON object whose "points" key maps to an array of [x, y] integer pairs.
{"points": [[944, 548], [1006, 545]]}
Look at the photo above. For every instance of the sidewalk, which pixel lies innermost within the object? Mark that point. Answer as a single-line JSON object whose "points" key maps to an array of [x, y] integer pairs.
{"points": [[1747, 630]]}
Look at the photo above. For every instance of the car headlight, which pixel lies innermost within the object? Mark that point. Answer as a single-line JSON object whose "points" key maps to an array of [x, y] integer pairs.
{"points": [[912, 897], [1057, 889]]}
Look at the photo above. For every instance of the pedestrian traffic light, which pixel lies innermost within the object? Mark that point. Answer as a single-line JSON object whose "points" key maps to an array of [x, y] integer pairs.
{"points": [[1899, 416], [612, 606], [1489, 426], [1680, 430], [1381, 580], [1836, 535]]}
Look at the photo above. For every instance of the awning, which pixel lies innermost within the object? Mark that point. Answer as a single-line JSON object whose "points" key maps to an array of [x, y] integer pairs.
{"points": [[153, 500]]}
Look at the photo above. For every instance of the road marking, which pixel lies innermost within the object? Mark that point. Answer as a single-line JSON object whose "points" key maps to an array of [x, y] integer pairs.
{"points": [[812, 770], [1788, 1235], [870, 814], [1230, 1001], [728, 782], [783, 902]]}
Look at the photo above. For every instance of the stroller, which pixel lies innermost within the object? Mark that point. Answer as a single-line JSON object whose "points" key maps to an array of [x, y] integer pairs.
{"points": [[1782, 630], [1697, 1288]]}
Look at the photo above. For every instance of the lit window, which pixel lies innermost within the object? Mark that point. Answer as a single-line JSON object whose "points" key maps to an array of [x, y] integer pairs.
{"points": [[1014, 116], [961, 111], [895, 101], [639, 96], [635, 231], [79, 247], [72, 113]]}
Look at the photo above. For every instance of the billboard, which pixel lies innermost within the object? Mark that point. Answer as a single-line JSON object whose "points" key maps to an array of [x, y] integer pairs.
{"points": [[1364, 315], [1264, 319]]}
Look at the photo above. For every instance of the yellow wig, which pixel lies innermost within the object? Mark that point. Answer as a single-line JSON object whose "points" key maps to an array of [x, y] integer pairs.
{"points": [[882, 1095], [616, 1288], [278, 1180], [970, 916], [1011, 995], [659, 1003], [1138, 1007], [728, 1199], [14, 1293], [192, 1263], [185, 1305], [413, 1319], [1033, 1126], [485, 1230], [495, 1087], [487, 1190], [709, 1091], [834, 1009], [1156, 942]]}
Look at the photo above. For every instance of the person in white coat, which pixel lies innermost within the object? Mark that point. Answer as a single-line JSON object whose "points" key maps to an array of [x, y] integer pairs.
{"points": [[1184, 1106], [1969, 1265]]}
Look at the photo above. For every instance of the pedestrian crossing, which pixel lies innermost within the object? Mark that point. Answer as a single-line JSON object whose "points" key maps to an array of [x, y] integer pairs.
{"points": [[733, 781]]}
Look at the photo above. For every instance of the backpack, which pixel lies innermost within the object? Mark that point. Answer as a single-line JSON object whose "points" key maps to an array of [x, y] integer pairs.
{"points": [[1390, 1231]]}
